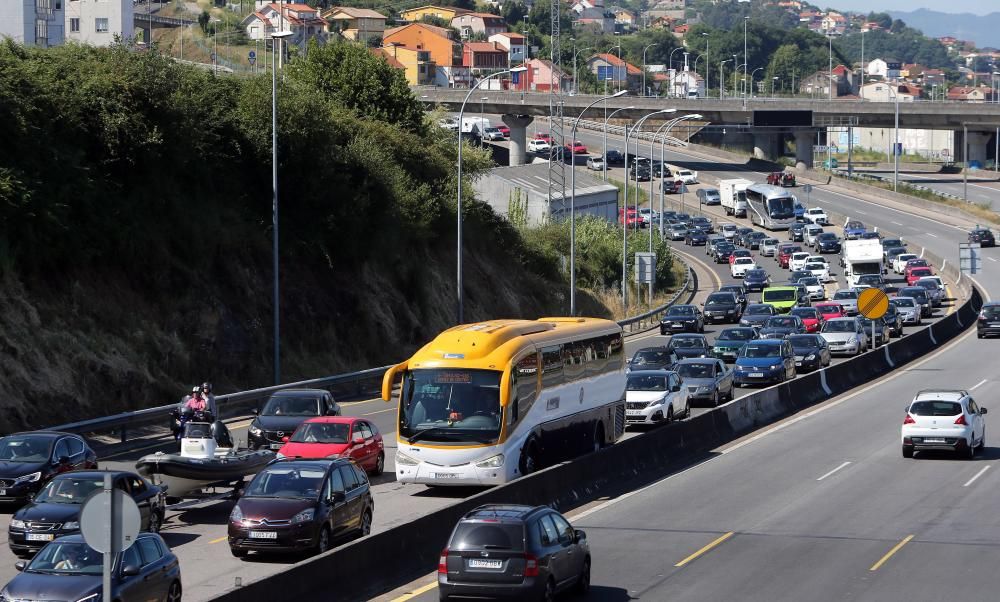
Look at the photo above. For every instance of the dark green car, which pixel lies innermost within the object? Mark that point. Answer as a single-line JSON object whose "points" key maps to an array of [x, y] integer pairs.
{"points": [[730, 341]]}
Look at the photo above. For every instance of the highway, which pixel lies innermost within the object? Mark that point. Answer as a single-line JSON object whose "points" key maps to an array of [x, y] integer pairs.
{"points": [[820, 506], [983, 187]]}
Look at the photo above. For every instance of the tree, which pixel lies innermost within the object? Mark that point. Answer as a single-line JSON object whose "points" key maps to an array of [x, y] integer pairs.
{"points": [[784, 63], [513, 12], [203, 20]]}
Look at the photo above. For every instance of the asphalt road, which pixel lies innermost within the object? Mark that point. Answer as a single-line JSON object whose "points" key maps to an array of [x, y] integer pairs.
{"points": [[821, 506], [983, 186]]}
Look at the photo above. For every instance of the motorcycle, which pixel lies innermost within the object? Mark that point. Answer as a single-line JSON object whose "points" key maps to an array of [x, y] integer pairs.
{"points": [[179, 418]]}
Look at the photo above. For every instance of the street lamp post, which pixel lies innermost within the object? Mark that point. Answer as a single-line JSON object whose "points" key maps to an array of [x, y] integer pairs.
{"points": [[895, 145], [705, 34], [644, 67], [722, 79], [614, 70], [668, 126], [831, 66], [576, 87], [461, 114], [572, 207], [746, 57], [670, 69], [606, 118], [773, 79], [274, 212], [863, 68], [750, 90]]}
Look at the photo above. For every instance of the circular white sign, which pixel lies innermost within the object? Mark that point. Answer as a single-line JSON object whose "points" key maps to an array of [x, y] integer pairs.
{"points": [[96, 521]]}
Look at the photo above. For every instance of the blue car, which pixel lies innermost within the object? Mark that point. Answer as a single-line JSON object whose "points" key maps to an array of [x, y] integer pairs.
{"points": [[756, 280], [800, 211], [853, 230], [764, 361]]}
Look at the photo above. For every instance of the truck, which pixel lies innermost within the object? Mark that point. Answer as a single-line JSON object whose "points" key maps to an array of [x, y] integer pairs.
{"points": [[683, 174], [859, 257], [475, 124], [733, 194]]}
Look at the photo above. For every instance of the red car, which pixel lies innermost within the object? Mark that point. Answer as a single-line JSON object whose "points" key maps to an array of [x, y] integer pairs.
{"points": [[337, 437], [632, 219], [504, 130], [916, 273], [781, 178], [544, 137], [916, 263], [811, 317], [577, 147], [829, 310], [739, 253], [785, 254]]}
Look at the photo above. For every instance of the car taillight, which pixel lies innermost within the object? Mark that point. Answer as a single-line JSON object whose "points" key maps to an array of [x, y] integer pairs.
{"points": [[909, 420], [443, 562], [530, 566], [961, 420]]}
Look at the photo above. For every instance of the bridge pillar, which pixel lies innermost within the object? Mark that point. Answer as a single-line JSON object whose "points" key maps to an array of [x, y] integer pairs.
{"points": [[804, 149], [518, 125], [977, 147], [765, 145]]}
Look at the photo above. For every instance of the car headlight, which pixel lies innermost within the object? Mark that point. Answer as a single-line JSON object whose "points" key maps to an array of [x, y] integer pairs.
{"points": [[853, 341], [404, 460], [657, 402], [71, 525], [491, 462], [255, 430], [236, 515], [304, 516], [16, 523], [28, 478], [810, 357]]}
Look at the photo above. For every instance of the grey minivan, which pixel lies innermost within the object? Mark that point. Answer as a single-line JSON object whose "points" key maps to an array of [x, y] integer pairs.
{"points": [[514, 552]]}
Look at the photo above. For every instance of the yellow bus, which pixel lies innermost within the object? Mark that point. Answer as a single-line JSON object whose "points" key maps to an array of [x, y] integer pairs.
{"points": [[483, 404]]}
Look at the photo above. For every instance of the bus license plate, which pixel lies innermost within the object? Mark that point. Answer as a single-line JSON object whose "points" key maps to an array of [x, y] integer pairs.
{"points": [[263, 535], [477, 563], [445, 475]]}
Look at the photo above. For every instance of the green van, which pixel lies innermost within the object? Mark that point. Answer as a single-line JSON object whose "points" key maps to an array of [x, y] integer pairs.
{"points": [[782, 298]]}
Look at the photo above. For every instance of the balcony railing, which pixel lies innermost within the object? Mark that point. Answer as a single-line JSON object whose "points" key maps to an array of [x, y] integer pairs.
{"points": [[43, 8]]}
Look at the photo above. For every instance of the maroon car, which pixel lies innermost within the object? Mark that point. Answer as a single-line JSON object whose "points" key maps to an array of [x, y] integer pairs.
{"points": [[781, 178], [301, 505]]}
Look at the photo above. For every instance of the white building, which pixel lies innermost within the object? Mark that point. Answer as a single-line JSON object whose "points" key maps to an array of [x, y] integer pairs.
{"points": [[33, 22], [514, 43], [682, 83], [887, 68], [97, 23], [301, 19]]}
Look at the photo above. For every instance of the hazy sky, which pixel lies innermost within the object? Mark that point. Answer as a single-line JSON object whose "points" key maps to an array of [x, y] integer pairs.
{"points": [[979, 7]]}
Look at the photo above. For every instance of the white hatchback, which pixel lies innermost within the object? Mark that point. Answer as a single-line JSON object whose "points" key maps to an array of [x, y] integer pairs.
{"points": [[798, 261], [654, 397], [899, 263], [943, 420], [818, 269], [741, 265], [817, 216], [809, 234], [769, 247]]}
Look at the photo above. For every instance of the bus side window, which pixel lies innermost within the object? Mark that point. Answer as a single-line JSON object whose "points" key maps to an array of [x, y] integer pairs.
{"points": [[599, 351], [552, 366], [573, 360], [526, 383]]}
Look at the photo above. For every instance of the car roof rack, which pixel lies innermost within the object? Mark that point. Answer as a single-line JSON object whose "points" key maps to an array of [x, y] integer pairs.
{"points": [[961, 392]]}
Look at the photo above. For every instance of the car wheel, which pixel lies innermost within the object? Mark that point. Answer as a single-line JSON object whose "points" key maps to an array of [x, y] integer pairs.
{"points": [[366, 523], [322, 540], [238, 553], [598, 436], [715, 399], [663, 332], [670, 414], [379, 465], [529, 459], [549, 595], [155, 522], [979, 335], [583, 581], [174, 594], [982, 441]]}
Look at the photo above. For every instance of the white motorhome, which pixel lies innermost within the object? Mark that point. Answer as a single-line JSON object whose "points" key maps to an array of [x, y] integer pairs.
{"points": [[733, 194], [475, 124], [862, 256]]}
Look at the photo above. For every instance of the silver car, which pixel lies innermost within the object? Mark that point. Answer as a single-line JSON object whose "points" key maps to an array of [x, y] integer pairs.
{"points": [[935, 294], [595, 163], [769, 247], [908, 308], [848, 299], [706, 379], [845, 336]]}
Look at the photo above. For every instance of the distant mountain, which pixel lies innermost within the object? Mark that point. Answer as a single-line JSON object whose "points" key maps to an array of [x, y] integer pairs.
{"points": [[984, 30]]}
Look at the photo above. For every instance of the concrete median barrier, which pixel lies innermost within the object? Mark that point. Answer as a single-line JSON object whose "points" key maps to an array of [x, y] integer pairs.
{"points": [[396, 556]]}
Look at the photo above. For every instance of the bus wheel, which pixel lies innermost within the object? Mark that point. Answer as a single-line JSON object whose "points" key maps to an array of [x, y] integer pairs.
{"points": [[599, 436], [529, 459]]}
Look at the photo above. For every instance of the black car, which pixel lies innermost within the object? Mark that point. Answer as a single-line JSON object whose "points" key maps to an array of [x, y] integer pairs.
{"points": [[730, 341], [614, 157], [695, 238], [779, 327], [881, 329], [713, 240], [795, 275], [296, 505], [889, 243], [682, 318], [703, 223], [672, 186], [811, 351], [753, 239], [69, 569], [983, 236], [741, 234], [797, 232], [685, 346], [28, 460], [722, 252], [756, 280], [827, 242], [514, 552], [737, 289], [55, 510], [757, 313], [989, 319], [894, 320], [285, 411], [723, 307], [652, 358], [890, 254], [640, 171]]}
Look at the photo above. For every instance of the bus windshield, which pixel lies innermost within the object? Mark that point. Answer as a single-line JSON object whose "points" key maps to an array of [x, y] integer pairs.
{"points": [[450, 405], [781, 207]]}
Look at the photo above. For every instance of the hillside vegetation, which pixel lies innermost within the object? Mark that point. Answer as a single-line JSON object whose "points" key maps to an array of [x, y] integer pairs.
{"points": [[135, 228]]}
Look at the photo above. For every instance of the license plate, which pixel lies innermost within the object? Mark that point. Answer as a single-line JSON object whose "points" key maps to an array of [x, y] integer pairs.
{"points": [[677, 326], [757, 374], [933, 440], [263, 535], [39, 537], [477, 563], [798, 363], [445, 475], [277, 445], [633, 412], [3, 492]]}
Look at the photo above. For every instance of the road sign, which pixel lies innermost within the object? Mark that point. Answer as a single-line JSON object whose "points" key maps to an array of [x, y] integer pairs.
{"points": [[968, 257], [819, 148], [807, 188], [252, 57], [873, 303], [99, 516], [898, 146], [645, 266]]}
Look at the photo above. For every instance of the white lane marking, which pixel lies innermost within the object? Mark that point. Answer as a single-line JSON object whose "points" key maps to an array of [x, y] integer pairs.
{"points": [[897, 223], [845, 464], [977, 385], [859, 211], [930, 234], [772, 430], [929, 219], [991, 259], [978, 474]]}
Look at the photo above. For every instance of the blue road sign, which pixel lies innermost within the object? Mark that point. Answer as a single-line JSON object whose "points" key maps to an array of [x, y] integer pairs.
{"points": [[252, 55]]}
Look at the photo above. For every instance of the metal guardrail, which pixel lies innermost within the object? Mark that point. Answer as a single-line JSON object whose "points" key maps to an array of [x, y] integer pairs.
{"points": [[651, 317]]}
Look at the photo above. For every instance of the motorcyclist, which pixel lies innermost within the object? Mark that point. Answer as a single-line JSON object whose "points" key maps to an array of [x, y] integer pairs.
{"points": [[206, 389], [196, 402]]}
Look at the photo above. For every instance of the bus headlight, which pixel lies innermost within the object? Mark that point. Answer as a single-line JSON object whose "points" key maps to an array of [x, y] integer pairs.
{"points": [[404, 460], [492, 462]]}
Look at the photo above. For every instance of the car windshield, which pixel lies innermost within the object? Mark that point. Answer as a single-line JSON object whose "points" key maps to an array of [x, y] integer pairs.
{"points": [[756, 350], [69, 490], [892, 242], [805, 312], [803, 341], [916, 292], [901, 302], [840, 326], [756, 275], [827, 236], [769, 242], [288, 481], [651, 356], [815, 266], [25, 448], [935, 408], [451, 405], [809, 281], [781, 207], [646, 382], [67, 558], [991, 311], [688, 342], [721, 299], [845, 295], [733, 289], [779, 295], [741, 334], [869, 279], [780, 322], [681, 310], [759, 309], [921, 272], [321, 432], [743, 261], [696, 370], [282, 405], [854, 226]]}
